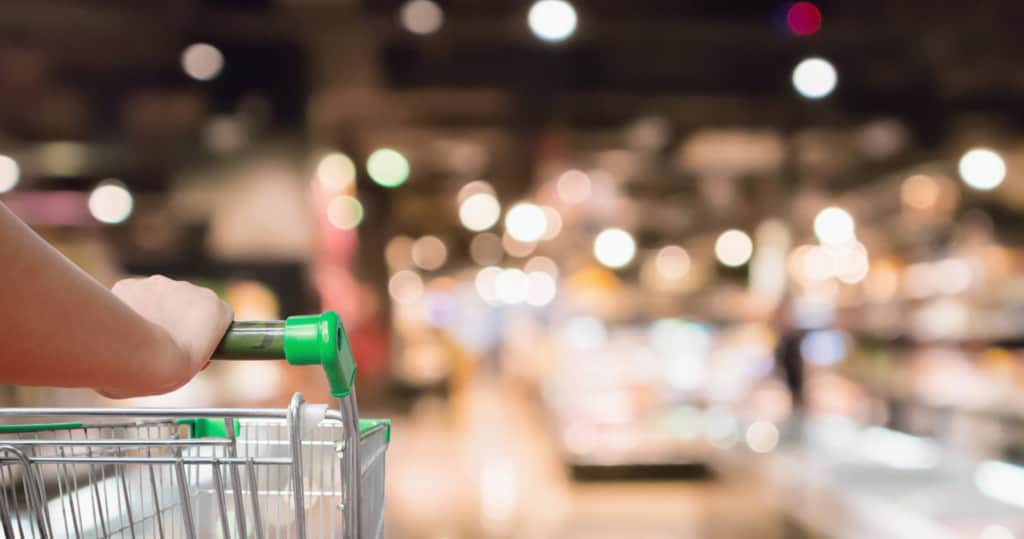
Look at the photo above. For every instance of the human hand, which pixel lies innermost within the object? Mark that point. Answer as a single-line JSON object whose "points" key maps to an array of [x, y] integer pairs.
{"points": [[188, 322]]}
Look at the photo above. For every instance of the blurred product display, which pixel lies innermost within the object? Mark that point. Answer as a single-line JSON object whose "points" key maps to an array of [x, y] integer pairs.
{"points": [[640, 269]]}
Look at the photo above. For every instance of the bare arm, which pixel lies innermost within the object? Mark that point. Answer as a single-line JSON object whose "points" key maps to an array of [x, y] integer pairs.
{"points": [[59, 327]]}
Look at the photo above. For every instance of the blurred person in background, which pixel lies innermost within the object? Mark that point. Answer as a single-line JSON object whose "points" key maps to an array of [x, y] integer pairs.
{"points": [[789, 363], [61, 328]]}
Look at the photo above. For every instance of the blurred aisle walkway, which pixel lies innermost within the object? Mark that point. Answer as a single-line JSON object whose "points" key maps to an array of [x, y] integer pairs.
{"points": [[486, 467]]}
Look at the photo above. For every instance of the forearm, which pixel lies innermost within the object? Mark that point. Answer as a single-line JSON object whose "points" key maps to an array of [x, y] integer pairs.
{"points": [[59, 327]]}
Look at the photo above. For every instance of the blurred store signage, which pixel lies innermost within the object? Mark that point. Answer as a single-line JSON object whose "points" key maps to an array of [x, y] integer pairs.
{"points": [[50, 208]]}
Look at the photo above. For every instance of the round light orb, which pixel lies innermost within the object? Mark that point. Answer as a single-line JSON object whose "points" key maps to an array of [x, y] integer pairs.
{"points": [[815, 78], [552, 20], [733, 248], [614, 248], [982, 169]]}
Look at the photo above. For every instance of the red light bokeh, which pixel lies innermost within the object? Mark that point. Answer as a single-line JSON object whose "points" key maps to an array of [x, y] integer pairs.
{"points": [[803, 19]]}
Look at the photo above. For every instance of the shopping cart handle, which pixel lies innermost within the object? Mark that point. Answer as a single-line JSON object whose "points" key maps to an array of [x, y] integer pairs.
{"points": [[315, 339]]}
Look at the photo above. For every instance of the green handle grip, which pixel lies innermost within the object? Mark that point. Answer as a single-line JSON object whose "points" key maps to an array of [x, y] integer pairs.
{"points": [[316, 339]]}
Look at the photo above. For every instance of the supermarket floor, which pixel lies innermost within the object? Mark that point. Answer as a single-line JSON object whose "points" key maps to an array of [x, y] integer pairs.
{"points": [[483, 465]]}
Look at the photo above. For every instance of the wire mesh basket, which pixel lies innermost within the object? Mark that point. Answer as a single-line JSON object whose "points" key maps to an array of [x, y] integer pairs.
{"points": [[304, 471]]}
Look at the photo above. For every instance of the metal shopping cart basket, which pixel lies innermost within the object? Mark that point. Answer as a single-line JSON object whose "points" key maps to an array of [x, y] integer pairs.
{"points": [[305, 471]]}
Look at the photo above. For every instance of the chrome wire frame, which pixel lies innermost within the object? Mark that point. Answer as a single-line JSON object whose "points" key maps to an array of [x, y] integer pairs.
{"points": [[299, 472]]}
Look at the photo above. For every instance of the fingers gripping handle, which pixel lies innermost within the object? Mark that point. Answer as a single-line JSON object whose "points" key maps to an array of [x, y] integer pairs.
{"points": [[317, 339]]}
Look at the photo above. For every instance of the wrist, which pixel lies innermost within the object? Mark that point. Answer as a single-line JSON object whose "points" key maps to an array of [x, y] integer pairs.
{"points": [[158, 364]]}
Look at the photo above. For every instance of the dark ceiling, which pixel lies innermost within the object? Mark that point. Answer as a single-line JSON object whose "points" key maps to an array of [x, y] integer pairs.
{"points": [[344, 73]]}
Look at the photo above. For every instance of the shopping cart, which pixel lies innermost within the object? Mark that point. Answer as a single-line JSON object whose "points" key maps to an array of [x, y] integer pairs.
{"points": [[306, 471]]}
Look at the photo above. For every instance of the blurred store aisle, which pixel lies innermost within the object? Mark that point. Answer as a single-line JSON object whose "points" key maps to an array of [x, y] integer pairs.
{"points": [[486, 467]]}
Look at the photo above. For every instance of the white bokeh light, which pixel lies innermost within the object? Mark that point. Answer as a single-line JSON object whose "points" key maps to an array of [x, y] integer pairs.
{"points": [[552, 20], [614, 248], [526, 222], [486, 284], [472, 188], [479, 212], [541, 263], [421, 17], [573, 187], [9, 173], [834, 226], [111, 202], [852, 265], [540, 288], [815, 78], [336, 172], [552, 223], [405, 287], [344, 212], [982, 169], [734, 248], [672, 262], [387, 167], [516, 248], [202, 61], [762, 436], [512, 286]]}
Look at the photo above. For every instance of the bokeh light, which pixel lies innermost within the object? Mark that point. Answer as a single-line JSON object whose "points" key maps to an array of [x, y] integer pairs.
{"points": [[421, 17], [202, 61], [614, 248], [541, 263], [574, 187], [512, 286], [817, 265], [920, 192], [479, 212], [111, 202], [486, 249], [406, 287], [516, 248], [762, 436], [850, 262], [526, 222], [472, 188], [672, 262], [982, 169], [803, 19], [344, 212], [486, 284], [553, 223], [834, 226], [552, 20], [540, 288], [398, 253], [10, 173], [815, 78], [387, 167], [733, 248], [429, 253], [336, 172]]}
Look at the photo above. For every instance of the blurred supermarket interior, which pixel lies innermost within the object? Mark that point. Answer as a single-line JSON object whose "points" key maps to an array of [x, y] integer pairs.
{"points": [[647, 269]]}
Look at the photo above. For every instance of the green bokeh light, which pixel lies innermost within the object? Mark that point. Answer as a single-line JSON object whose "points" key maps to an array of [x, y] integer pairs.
{"points": [[387, 167]]}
